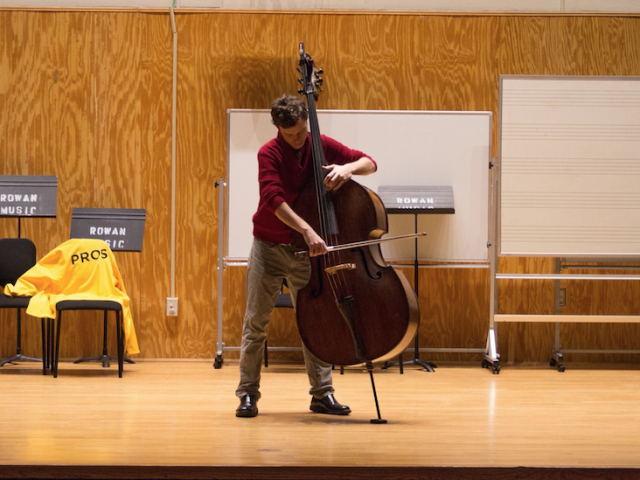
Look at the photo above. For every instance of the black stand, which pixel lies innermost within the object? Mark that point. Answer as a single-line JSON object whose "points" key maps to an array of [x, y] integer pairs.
{"points": [[104, 358], [18, 357], [82, 220], [378, 420], [428, 366]]}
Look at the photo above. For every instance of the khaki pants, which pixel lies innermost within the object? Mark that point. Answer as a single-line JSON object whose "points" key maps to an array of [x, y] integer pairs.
{"points": [[269, 263]]}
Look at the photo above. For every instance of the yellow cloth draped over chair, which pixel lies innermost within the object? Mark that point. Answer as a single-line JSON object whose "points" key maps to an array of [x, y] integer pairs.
{"points": [[78, 269]]}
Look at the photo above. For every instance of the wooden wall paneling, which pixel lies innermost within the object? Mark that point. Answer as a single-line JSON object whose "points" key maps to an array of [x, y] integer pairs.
{"points": [[457, 60], [103, 174], [70, 152], [318, 37], [455, 74], [370, 63], [199, 130], [522, 47], [630, 56], [253, 61], [156, 332], [81, 102], [6, 80], [114, 179], [524, 342], [256, 58], [612, 43], [245, 65], [579, 48], [55, 126], [571, 46], [606, 297], [69, 149], [454, 307], [7, 62], [24, 129], [11, 29], [49, 125], [235, 303], [212, 164]]}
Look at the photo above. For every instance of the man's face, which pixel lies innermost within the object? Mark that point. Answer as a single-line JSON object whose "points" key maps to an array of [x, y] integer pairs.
{"points": [[296, 135]]}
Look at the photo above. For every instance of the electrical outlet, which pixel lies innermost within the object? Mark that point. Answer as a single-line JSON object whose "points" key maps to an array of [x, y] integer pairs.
{"points": [[562, 301], [172, 307]]}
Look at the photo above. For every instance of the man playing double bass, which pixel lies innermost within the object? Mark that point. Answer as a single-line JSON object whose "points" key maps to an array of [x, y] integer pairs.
{"points": [[285, 167]]}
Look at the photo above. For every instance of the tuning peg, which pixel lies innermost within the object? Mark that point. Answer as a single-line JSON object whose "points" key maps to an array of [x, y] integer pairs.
{"points": [[320, 71], [319, 81], [301, 81], [299, 71], [300, 91]]}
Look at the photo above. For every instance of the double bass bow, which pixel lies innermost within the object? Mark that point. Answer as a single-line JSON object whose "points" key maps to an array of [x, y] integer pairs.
{"points": [[355, 309]]}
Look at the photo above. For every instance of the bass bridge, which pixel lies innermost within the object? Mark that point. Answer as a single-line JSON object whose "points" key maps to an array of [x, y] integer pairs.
{"points": [[336, 268]]}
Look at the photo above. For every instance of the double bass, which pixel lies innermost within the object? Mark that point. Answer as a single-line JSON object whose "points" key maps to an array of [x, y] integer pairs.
{"points": [[356, 309]]}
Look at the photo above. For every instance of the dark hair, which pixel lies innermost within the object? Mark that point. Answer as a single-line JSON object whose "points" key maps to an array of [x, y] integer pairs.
{"points": [[287, 111]]}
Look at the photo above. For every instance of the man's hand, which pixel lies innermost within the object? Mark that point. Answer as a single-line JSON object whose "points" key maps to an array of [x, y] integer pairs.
{"points": [[317, 246], [291, 219], [338, 175]]}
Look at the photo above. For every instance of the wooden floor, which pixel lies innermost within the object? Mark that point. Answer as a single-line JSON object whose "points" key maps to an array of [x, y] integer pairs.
{"points": [[176, 420]]}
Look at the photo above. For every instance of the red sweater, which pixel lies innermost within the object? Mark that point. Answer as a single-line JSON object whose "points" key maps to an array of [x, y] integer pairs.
{"points": [[282, 177]]}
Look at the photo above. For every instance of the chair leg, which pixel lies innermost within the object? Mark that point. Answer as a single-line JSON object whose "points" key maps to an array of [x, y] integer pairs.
{"points": [[104, 358], [57, 352], [120, 340], [47, 342], [18, 355], [266, 355], [50, 340], [122, 350], [105, 354], [19, 326], [44, 347]]}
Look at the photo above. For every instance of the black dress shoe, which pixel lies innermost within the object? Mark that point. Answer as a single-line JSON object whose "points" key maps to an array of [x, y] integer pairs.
{"points": [[329, 405], [248, 406]]}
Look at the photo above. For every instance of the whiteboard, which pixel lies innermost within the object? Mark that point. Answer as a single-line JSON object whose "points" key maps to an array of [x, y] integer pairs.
{"points": [[570, 166], [410, 148]]}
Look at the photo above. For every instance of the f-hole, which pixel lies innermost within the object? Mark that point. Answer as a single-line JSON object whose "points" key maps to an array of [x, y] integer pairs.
{"points": [[378, 274]]}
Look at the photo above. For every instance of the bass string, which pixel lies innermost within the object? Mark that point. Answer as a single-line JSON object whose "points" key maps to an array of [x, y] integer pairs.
{"points": [[336, 281], [340, 281]]}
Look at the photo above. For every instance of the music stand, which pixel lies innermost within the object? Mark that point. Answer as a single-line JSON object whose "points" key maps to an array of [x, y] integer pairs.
{"points": [[416, 200], [123, 230], [23, 196]]}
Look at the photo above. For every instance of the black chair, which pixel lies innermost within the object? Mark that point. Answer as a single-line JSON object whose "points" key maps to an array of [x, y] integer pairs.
{"points": [[17, 255], [104, 305], [283, 301], [105, 358]]}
